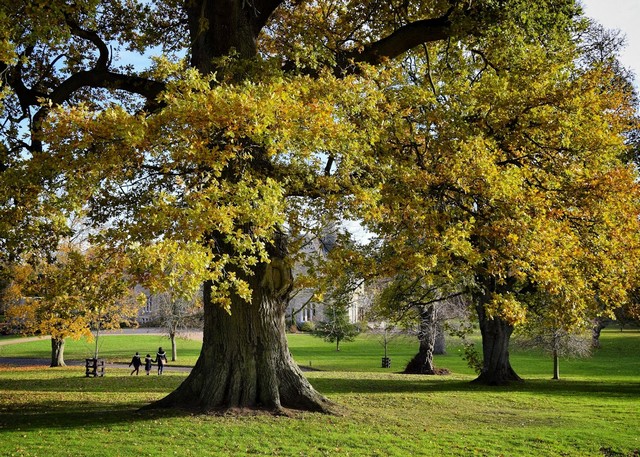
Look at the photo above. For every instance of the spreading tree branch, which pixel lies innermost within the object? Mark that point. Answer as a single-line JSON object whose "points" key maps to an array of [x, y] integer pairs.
{"points": [[400, 41], [97, 77]]}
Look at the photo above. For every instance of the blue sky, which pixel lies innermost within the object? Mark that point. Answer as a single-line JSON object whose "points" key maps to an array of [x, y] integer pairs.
{"points": [[625, 16]]}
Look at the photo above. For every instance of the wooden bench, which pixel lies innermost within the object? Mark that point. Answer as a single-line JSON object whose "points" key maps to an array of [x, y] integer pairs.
{"points": [[94, 367]]}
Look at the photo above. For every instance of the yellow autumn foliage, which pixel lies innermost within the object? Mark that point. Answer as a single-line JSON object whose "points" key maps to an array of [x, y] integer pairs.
{"points": [[68, 296]]}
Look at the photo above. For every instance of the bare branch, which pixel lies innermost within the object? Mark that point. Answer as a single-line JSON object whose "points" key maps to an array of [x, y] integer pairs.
{"points": [[94, 38]]}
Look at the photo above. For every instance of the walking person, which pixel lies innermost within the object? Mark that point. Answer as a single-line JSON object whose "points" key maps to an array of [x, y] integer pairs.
{"points": [[161, 358], [136, 362], [147, 364]]}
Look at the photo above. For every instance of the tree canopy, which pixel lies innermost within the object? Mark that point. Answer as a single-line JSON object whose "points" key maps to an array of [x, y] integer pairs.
{"points": [[512, 186]]}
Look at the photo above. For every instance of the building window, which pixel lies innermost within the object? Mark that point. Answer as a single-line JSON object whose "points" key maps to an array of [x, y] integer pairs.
{"points": [[147, 308], [308, 312]]}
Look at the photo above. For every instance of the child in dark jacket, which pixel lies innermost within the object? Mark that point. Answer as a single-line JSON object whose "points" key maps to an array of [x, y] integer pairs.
{"points": [[147, 363]]}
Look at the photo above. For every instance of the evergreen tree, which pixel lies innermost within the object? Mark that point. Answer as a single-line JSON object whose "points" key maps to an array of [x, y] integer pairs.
{"points": [[336, 326]]}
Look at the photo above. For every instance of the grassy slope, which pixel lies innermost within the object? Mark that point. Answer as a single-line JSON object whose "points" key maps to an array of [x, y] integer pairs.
{"points": [[593, 411]]}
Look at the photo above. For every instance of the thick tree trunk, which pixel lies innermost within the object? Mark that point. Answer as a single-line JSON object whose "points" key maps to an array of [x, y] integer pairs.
{"points": [[422, 363], [229, 30], [496, 367], [245, 360], [57, 352]]}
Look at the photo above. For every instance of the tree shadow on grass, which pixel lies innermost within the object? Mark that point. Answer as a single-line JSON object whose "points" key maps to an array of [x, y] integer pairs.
{"points": [[80, 415], [352, 383], [78, 401], [106, 384], [426, 384], [73, 379], [88, 403]]}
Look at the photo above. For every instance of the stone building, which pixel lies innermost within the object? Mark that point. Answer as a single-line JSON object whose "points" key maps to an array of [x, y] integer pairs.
{"points": [[302, 306]]}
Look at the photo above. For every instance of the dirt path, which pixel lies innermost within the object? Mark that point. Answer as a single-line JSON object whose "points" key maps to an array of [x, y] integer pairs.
{"points": [[15, 362], [22, 340], [195, 335]]}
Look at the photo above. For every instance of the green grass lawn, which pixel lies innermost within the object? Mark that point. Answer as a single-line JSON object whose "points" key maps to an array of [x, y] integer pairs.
{"points": [[593, 411], [114, 348]]}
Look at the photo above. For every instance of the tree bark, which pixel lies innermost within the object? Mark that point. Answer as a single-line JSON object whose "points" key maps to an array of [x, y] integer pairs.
{"points": [[554, 353], [598, 326], [245, 361], [496, 333], [57, 352], [422, 363], [230, 29]]}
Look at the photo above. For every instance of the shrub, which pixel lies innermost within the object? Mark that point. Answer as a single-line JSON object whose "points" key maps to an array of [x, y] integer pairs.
{"points": [[307, 326]]}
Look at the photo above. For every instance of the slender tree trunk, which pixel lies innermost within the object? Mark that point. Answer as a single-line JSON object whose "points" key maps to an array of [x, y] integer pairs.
{"points": [[57, 352], [174, 348], [245, 361], [554, 352], [496, 332], [422, 363]]}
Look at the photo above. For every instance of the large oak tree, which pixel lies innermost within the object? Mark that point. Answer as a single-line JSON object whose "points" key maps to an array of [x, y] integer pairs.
{"points": [[252, 112], [513, 186]]}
